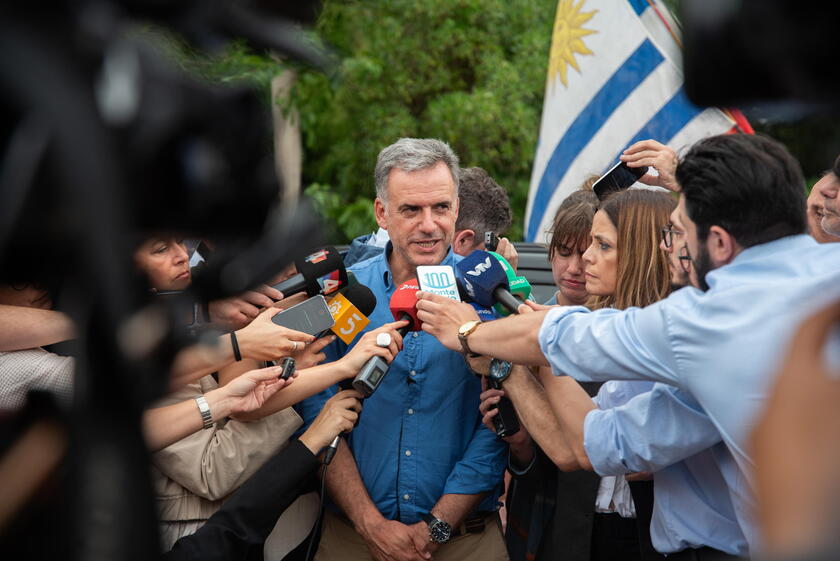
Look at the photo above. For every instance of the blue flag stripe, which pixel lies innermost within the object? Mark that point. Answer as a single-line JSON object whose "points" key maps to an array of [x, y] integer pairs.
{"points": [[667, 122], [639, 6], [589, 121]]}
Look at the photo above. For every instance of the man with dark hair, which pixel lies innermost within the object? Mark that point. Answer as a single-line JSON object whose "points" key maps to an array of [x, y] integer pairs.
{"points": [[743, 208], [484, 207]]}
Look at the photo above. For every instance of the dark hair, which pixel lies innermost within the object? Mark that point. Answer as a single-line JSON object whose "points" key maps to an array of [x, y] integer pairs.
{"points": [[836, 169], [749, 185], [483, 204], [573, 221]]}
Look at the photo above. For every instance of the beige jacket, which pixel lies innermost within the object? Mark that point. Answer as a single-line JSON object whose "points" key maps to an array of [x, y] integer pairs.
{"points": [[194, 475]]}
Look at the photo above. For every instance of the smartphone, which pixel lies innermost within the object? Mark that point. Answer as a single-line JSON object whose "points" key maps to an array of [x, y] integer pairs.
{"points": [[619, 177], [491, 241], [288, 365], [311, 316]]}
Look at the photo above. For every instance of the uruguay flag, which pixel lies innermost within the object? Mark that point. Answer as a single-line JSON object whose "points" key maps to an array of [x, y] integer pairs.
{"points": [[614, 78]]}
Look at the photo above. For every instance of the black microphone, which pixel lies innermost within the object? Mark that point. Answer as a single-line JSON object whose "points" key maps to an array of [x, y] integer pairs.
{"points": [[321, 272], [364, 300], [402, 306]]}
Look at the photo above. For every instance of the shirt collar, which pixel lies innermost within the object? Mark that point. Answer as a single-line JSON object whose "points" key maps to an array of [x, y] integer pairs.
{"points": [[387, 277], [761, 251]]}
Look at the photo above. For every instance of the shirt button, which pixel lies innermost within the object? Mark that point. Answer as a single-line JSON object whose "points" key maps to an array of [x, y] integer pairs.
{"points": [[413, 373], [408, 452], [415, 334], [411, 411], [406, 497]]}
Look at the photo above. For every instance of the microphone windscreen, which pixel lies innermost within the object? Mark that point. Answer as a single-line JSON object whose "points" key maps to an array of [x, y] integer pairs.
{"points": [[478, 275], [361, 296], [323, 270], [404, 301]]}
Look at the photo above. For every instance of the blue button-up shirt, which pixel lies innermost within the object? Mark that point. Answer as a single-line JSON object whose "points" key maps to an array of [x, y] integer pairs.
{"points": [[420, 435], [722, 346], [667, 432]]}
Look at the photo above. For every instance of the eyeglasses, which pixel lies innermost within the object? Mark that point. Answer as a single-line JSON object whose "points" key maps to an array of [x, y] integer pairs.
{"points": [[685, 258], [668, 233]]}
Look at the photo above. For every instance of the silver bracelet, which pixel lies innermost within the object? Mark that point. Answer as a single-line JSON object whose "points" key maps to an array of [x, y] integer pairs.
{"points": [[204, 409]]}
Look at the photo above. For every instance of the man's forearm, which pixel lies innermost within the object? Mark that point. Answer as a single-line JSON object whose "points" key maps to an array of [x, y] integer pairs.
{"points": [[453, 508], [536, 413], [307, 383], [346, 488], [26, 328], [570, 404], [514, 339]]}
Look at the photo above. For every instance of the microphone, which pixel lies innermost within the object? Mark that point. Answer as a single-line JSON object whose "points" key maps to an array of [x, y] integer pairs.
{"points": [[321, 272], [519, 286], [352, 305], [350, 309], [403, 306], [483, 280]]}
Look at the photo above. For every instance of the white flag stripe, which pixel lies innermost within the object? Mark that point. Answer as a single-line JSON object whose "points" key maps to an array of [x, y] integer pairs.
{"points": [[710, 122]]}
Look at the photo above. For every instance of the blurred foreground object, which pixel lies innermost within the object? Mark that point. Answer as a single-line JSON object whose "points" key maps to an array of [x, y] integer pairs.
{"points": [[103, 141], [760, 50], [797, 451]]}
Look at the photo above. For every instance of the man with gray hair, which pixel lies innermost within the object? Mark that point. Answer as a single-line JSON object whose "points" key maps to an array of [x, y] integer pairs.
{"points": [[418, 476]]}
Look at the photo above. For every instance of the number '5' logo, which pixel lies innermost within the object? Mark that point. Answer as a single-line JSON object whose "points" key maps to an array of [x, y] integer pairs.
{"points": [[351, 324]]}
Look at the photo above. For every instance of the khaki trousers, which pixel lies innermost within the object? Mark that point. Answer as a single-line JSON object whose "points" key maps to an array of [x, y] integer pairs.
{"points": [[340, 542]]}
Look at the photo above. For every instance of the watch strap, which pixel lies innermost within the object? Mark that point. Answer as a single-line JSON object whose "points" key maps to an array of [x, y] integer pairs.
{"points": [[204, 409]]}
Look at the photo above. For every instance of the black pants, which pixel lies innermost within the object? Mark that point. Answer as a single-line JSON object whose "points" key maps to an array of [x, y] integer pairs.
{"points": [[614, 538]]}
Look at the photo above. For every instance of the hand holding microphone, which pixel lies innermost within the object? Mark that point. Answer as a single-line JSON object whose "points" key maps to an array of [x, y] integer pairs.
{"points": [[338, 415], [368, 348], [403, 307]]}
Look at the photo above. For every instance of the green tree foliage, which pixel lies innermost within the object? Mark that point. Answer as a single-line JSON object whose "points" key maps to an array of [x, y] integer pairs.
{"points": [[470, 72]]}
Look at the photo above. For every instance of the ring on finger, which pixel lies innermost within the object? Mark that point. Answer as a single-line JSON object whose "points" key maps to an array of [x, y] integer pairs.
{"points": [[383, 340], [294, 346]]}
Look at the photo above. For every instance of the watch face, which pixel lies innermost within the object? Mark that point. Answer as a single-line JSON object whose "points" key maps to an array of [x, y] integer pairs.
{"points": [[499, 369], [440, 531], [467, 328]]}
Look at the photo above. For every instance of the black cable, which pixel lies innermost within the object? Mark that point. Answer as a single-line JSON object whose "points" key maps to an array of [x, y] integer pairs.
{"points": [[318, 523]]}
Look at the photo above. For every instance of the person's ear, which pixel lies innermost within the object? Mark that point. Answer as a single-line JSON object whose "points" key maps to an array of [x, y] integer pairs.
{"points": [[722, 246], [379, 211], [463, 242]]}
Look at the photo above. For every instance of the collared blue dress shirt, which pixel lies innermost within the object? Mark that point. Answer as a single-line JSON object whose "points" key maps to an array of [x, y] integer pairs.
{"points": [[666, 432], [722, 346], [420, 435]]}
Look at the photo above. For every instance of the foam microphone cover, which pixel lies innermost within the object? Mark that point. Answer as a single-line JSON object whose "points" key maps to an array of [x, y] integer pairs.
{"points": [[404, 301], [323, 271], [478, 275], [361, 296]]}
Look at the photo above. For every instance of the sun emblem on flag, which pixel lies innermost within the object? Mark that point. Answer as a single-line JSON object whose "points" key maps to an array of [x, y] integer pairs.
{"points": [[567, 40]]}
